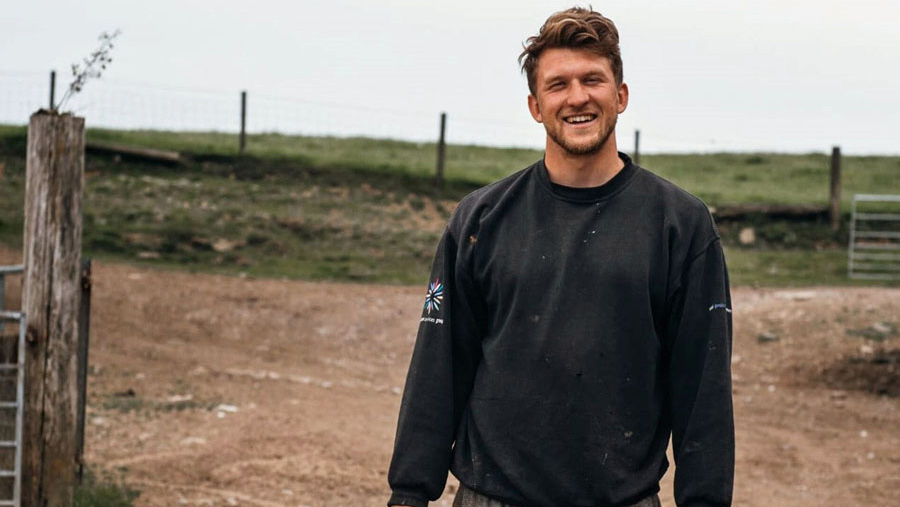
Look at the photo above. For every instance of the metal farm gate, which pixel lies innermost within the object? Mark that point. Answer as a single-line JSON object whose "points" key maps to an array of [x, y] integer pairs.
{"points": [[12, 398], [874, 247]]}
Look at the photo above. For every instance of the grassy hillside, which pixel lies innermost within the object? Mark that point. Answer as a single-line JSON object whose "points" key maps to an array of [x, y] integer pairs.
{"points": [[721, 178], [365, 209]]}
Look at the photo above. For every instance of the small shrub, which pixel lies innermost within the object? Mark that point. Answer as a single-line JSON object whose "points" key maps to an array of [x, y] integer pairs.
{"points": [[105, 240], [124, 404], [778, 233], [104, 490], [755, 160], [417, 203]]}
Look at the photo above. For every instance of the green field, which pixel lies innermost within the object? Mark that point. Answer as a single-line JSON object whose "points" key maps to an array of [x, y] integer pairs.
{"points": [[367, 210], [721, 178]]}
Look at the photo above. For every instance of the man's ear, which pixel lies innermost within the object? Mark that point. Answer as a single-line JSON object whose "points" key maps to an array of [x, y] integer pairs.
{"points": [[623, 97], [534, 109]]}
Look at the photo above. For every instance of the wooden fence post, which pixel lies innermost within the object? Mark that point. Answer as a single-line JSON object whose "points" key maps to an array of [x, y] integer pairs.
{"points": [[834, 210], [84, 330], [52, 90], [51, 299], [243, 141], [441, 151], [637, 147]]}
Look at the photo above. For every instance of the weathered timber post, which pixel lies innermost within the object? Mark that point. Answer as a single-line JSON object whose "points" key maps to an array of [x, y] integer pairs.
{"points": [[52, 298], [441, 151], [52, 90], [834, 209], [637, 147], [84, 329], [243, 139]]}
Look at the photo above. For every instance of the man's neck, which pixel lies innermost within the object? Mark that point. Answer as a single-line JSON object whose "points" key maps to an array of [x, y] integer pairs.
{"points": [[582, 171]]}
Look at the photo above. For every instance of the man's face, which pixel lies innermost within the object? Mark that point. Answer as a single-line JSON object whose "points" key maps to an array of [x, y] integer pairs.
{"points": [[577, 100]]}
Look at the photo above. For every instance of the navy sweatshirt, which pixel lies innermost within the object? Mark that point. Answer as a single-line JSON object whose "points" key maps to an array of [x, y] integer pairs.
{"points": [[566, 334]]}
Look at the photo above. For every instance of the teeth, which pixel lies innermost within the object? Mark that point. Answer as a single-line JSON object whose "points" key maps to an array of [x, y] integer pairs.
{"points": [[580, 119]]}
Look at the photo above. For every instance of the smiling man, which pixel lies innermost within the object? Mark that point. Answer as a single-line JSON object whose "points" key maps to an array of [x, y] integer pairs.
{"points": [[577, 317]]}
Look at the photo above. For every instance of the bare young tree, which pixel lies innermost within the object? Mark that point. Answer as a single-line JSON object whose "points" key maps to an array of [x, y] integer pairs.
{"points": [[92, 66]]}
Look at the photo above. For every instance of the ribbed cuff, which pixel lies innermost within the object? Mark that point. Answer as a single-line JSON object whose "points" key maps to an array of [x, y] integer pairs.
{"points": [[401, 499]]}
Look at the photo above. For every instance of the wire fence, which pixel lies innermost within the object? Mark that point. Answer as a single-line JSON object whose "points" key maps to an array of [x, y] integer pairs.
{"points": [[116, 104], [134, 106]]}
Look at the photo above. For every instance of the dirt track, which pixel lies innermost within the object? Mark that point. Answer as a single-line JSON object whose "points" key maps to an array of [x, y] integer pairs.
{"points": [[217, 391]]}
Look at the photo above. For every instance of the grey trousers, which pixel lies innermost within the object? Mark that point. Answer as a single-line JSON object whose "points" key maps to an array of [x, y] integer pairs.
{"points": [[465, 497]]}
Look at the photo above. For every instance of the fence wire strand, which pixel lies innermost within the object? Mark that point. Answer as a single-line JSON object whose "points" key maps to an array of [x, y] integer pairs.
{"points": [[117, 104]]}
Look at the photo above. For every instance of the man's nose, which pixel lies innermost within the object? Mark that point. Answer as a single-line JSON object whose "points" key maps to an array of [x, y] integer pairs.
{"points": [[577, 95]]}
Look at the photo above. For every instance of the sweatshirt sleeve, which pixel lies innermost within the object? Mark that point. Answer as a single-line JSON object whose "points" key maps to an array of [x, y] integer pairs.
{"points": [[699, 368], [440, 378]]}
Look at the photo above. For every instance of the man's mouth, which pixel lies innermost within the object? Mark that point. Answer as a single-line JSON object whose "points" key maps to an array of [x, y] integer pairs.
{"points": [[579, 118]]}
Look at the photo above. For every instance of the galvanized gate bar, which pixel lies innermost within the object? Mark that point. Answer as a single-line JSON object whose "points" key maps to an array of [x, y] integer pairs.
{"points": [[877, 246], [874, 237], [877, 256], [878, 216], [16, 472], [877, 234], [7, 270], [877, 197]]}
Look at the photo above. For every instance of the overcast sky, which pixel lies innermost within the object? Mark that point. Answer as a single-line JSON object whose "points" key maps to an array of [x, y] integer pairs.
{"points": [[704, 75]]}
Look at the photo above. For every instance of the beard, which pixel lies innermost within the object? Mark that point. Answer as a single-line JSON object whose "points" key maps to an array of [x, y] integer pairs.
{"points": [[581, 146]]}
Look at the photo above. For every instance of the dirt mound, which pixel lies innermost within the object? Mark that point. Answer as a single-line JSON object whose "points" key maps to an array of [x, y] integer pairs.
{"points": [[876, 372]]}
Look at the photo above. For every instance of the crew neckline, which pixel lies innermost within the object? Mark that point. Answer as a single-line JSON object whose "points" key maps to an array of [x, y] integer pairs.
{"points": [[589, 194]]}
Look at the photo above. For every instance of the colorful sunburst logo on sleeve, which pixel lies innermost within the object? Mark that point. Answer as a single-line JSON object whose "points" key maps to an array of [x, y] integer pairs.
{"points": [[435, 296]]}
